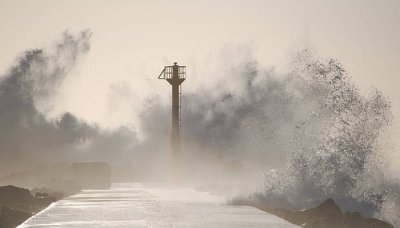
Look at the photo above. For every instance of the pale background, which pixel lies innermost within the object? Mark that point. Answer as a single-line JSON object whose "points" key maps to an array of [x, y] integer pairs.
{"points": [[133, 40]]}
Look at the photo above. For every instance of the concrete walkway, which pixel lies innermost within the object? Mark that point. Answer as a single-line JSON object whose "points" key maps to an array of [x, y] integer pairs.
{"points": [[150, 205]]}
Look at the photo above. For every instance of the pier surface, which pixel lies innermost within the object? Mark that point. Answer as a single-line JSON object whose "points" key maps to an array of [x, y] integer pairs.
{"points": [[150, 205]]}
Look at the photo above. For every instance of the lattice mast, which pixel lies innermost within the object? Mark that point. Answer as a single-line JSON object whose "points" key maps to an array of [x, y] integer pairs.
{"points": [[175, 75]]}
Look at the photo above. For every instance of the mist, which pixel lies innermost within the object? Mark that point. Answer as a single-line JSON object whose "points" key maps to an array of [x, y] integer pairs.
{"points": [[27, 136], [30, 136], [305, 135]]}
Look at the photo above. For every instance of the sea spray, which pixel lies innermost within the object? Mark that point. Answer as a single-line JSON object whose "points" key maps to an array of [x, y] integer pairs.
{"points": [[295, 138], [336, 152], [298, 138]]}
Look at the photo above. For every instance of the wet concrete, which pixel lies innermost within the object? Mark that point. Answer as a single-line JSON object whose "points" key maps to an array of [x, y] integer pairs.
{"points": [[150, 205]]}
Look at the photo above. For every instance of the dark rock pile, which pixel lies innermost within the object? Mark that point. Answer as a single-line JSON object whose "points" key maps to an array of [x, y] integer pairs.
{"points": [[68, 178], [46, 192], [18, 204], [12, 218], [326, 215], [49, 183]]}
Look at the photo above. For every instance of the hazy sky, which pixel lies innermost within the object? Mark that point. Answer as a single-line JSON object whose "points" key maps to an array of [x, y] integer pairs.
{"points": [[133, 40]]}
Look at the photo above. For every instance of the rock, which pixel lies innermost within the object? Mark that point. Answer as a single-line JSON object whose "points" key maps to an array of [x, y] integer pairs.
{"points": [[68, 178], [42, 200], [10, 218], [326, 215], [56, 176], [41, 192], [355, 219], [41, 195], [16, 198], [18, 204], [22, 200]]}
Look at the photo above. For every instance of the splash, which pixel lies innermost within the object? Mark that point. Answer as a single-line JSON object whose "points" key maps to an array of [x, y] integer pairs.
{"points": [[336, 151], [27, 136], [304, 136], [299, 138]]}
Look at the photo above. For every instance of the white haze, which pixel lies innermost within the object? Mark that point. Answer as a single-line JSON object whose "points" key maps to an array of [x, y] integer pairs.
{"points": [[246, 127]]}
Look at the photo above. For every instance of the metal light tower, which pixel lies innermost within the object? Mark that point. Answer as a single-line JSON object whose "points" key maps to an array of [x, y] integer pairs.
{"points": [[175, 75]]}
